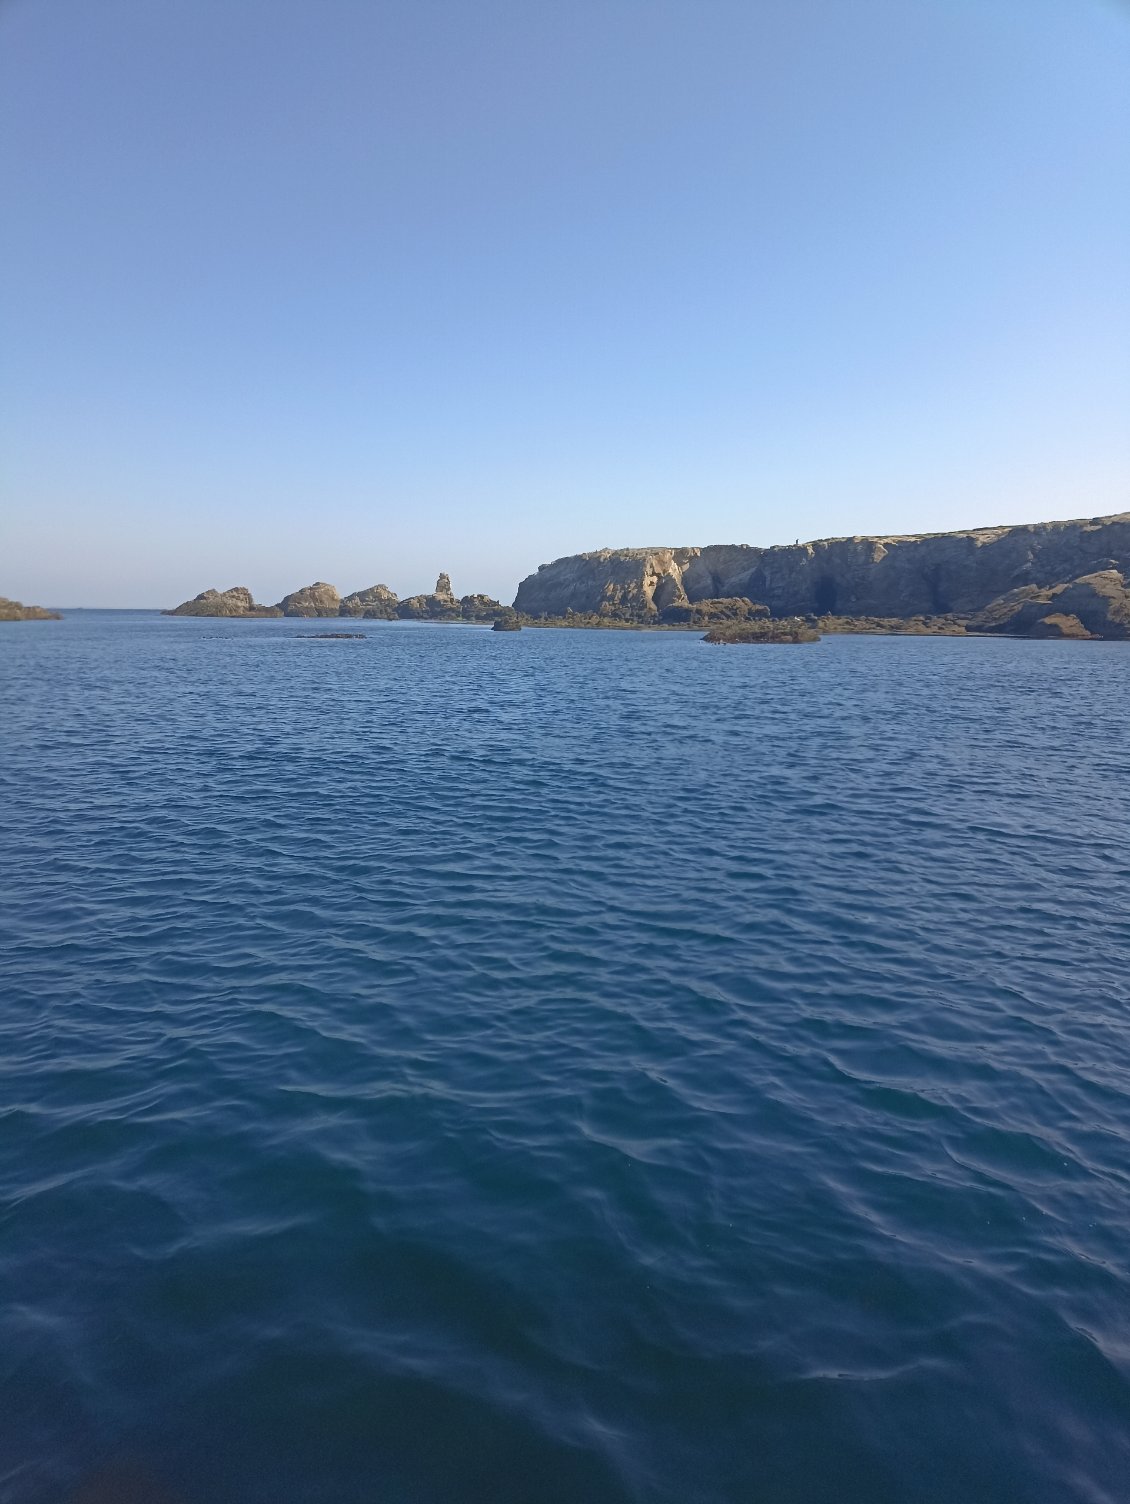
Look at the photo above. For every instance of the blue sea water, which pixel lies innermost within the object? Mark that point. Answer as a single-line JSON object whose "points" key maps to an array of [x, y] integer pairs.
{"points": [[562, 1066]]}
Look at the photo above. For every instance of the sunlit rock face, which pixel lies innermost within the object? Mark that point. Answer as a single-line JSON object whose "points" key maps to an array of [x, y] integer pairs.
{"points": [[237, 601], [1093, 605], [318, 599], [930, 574], [377, 602]]}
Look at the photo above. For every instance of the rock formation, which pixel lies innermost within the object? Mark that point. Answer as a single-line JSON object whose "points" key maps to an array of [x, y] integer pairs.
{"points": [[441, 605], [709, 613], [318, 599], [479, 608], [17, 611], [378, 603], [1092, 605], [933, 574], [792, 630], [234, 602]]}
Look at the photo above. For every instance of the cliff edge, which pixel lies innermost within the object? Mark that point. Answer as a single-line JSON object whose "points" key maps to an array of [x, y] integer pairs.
{"points": [[926, 574]]}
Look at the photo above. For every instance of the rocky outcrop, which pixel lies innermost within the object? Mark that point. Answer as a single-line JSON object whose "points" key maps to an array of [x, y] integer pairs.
{"points": [[17, 611], [627, 584], [508, 622], [887, 626], [791, 630], [929, 575], [708, 613], [378, 603], [234, 602], [479, 608], [442, 605], [429, 608], [318, 599], [1092, 605]]}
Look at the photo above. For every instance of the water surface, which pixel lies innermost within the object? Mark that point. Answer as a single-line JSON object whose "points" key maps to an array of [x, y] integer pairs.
{"points": [[463, 1068]]}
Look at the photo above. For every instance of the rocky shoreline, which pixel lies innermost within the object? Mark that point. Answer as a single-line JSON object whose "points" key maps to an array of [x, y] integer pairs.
{"points": [[1042, 580]]}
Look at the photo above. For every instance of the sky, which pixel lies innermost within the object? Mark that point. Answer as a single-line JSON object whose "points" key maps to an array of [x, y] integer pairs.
{"points": [[360, 290]]}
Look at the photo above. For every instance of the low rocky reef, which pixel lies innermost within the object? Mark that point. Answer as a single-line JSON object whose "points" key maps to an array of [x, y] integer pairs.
{"points": [[375, 603], [769, 632], [17, 611]]}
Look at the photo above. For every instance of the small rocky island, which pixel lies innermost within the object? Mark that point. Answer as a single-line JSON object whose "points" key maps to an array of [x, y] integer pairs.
{"points": [[375, 603], [790, 630], [16, 611]]}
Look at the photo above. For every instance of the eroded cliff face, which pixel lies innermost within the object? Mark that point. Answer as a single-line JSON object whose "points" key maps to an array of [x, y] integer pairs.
{"points": [[927, 574], [626, 583]]}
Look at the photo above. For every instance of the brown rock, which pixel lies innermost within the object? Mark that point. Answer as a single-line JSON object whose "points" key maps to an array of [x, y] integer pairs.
{"points": [[479, 608], [234, 602], [1099, 602], [378, 603], [318, 599], [17, 611], [929, 575], [791, 630]]}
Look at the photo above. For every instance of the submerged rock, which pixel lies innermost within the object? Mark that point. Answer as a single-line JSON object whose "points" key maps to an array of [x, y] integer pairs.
{"points": [[17, 611]]}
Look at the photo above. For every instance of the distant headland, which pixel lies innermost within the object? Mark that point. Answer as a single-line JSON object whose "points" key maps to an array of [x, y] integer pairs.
{"points": [[1045, 579], [16, 611]]}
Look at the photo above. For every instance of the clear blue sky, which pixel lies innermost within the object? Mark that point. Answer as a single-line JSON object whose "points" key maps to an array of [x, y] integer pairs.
{"points": [[362, 289]]}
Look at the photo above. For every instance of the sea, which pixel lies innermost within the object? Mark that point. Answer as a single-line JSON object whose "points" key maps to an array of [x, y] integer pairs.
{"points": [[561, 1067]]}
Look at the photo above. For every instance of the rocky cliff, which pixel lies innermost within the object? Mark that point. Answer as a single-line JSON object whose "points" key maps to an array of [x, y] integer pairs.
{"points": [[928, 574]]}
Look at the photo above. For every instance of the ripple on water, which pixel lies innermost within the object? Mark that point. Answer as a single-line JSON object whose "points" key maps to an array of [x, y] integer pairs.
{"points": [[600, 1069]]}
